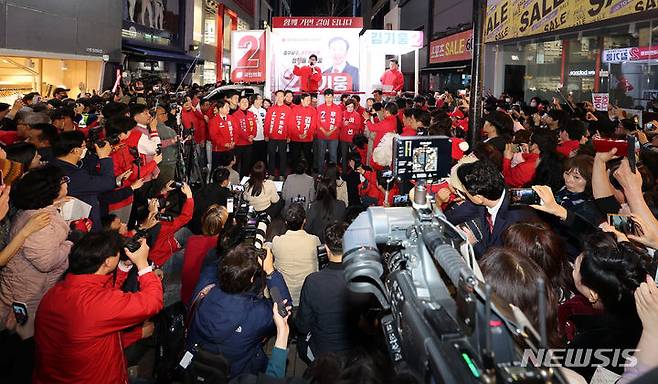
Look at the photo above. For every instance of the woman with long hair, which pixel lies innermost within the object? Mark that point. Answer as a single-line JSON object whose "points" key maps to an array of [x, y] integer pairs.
{"points": [[542, 164], [325, 210], [331, 173], [261, 193]]}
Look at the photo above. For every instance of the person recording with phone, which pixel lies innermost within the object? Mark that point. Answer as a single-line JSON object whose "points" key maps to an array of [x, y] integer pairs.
{"points": [[92, 350]]}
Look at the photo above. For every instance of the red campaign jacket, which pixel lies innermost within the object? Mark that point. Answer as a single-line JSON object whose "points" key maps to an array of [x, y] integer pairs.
{"points": [[329, 116], [352, 125], [393, 78], [222, 132], [521, 175], [302, 121], [567, 147], [309, 77], [194, 118], [78, 328], [245, 126], [124, 161], [389, 124], [276, 120], [196, 249], [165, 245]]}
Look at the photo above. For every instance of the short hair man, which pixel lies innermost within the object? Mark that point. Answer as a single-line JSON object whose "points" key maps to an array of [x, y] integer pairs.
{"points": [[92, 351], [488, 205], [295, 252], [328, 314], [310, 76], [392, 77], [338, 47]]}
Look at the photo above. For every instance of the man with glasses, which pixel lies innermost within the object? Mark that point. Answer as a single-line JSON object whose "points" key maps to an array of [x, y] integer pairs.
{"points": [[90, 174], [24, 121]]}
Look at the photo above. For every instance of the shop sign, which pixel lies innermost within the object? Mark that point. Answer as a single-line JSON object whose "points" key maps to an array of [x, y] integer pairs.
{"points": [[248, 56], [388, 38], [317, 22], [582, 72], [455, 47], [600, 101], [509, 19], [620, 55]]}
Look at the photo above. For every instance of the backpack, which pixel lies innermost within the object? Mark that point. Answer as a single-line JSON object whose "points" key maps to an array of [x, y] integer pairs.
{"points": [[170, 343]]}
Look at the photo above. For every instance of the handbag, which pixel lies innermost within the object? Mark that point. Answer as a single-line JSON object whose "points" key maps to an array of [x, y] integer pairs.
{"points": [[201, 366]]}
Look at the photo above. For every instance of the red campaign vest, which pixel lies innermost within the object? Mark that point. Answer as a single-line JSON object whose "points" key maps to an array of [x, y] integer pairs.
{"points": [[329, 116], [276, 121]]}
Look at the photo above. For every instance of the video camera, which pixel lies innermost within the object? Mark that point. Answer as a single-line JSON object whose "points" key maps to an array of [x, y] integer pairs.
{"points": [[440, 321], [421, 157]]}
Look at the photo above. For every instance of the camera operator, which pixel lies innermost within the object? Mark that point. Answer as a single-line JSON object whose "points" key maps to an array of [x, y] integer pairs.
{"points": [[90, 174], [165, 244], [328, 314], [233, 319], [91, 351]]}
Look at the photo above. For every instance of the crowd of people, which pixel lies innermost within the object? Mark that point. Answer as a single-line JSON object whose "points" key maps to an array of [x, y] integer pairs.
{"points": [[79, 292]]}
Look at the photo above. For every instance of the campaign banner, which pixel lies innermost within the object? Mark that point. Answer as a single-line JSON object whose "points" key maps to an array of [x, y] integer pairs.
{"points": [[248, 58], [317, 22], [620, 55], [509, 19], [601, 101], [455, 47], [337, 50], [393, 40]]}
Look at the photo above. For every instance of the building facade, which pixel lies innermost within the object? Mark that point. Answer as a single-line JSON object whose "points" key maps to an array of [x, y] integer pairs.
{"points": [[47, 44]]}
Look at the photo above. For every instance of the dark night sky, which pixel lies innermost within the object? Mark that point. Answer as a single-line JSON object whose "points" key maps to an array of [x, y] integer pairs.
{"points": [[312, 7]]}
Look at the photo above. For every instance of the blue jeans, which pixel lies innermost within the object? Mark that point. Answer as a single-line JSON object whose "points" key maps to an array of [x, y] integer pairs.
{"points": [[323, 145]]}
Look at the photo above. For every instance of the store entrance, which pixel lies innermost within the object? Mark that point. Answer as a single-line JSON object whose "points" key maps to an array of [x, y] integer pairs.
{"points": [[515, 80]]}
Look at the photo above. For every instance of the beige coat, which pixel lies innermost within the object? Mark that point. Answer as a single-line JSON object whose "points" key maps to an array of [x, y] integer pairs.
{"points": [[295, 256], [37, 266]]}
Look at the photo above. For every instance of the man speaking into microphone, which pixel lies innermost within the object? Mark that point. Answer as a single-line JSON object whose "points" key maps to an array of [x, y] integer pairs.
{"points": [[310, 75]]}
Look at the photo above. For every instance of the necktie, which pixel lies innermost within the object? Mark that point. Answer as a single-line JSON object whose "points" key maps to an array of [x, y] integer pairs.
{"points": [[335, 71], [490, 222]]}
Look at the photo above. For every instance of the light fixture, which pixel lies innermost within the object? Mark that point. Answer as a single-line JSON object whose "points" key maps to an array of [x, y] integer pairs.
{"points": [[515, 58], [64, 66]]}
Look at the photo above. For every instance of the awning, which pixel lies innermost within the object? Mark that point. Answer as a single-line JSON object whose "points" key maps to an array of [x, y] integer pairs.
{"points": [[153, 54], [427, 69]]}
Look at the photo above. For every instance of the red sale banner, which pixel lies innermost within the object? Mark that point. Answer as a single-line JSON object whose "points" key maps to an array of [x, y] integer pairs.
{"points": [[452, 48], [248, 56]]}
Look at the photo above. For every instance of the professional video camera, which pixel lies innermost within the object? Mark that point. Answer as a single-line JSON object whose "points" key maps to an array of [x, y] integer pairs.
{"points": [[440, 321], [254, 224]]}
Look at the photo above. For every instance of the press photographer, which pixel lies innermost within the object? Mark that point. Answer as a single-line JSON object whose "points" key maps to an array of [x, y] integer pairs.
{"points": [[92, 350], [90, 173]]}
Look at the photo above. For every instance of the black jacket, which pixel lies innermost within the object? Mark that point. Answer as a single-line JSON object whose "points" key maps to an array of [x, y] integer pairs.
{"points": [[207, 196], [329, 311], [317, 219], [507, 215]]}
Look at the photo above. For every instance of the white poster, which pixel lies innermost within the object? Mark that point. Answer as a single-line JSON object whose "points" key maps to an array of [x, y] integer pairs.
{"points": [[337, 50], [601, 101]]}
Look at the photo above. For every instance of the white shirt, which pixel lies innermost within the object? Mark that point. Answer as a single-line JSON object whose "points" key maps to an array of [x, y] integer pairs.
{"points": [[338, 69], [148, 145], [260, 120], [494, 211]]}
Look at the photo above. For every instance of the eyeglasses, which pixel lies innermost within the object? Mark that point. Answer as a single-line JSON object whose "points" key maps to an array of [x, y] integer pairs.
{"points": [[65, 180]]}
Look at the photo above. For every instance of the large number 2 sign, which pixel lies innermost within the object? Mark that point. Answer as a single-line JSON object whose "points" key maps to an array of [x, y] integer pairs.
{"points": [[250, 58]]}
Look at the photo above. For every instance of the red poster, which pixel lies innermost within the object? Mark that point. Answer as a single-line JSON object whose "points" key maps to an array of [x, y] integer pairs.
{"points": [[317, 22], [455, 47], [248, 56]]}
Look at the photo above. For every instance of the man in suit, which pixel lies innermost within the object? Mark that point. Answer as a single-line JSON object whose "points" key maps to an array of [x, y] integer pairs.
{"points": [[488, 206], [338, 48]]}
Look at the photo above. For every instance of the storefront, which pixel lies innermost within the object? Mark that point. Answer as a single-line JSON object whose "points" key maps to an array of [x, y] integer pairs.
{"points": [[449, 63], [44, 72], [571, 52], [152, 45]]}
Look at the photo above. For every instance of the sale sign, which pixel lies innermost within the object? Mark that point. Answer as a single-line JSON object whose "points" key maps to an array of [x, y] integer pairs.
{"points": [[455, 47], [248, 56], [601, 101]]}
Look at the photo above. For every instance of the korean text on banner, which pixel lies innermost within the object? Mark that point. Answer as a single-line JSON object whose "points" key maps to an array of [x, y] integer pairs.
{"points": [[455, 47], [509, 19], [335, 42], [248, 56], [600, 101]]}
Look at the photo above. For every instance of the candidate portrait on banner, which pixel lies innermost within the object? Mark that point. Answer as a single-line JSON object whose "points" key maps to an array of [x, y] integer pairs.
{"points": [[337, 57]]}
